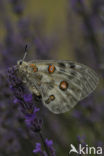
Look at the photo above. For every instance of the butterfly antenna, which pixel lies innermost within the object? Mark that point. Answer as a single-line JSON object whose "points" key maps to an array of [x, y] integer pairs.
{"points": [[25, 53]]}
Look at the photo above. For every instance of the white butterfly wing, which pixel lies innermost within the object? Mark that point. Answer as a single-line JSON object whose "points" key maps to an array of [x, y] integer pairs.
{"points": [[89, 81], [80, 79], [56, 99]]}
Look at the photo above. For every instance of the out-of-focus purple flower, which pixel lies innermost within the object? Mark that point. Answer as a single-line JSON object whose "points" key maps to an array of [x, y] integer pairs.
{"points": [[10, 121], [99, 143], [25, 101], [37, 148], [17, 6], [101, 14], [24, 26], [76, 5], [20, 92], [97, 6], [27, 97], [49, 144], [81, 140], [42, 47], [36, 125], [30, 117]]}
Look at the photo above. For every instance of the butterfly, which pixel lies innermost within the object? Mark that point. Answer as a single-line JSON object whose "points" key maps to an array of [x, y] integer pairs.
{"points": [[61, 84]]}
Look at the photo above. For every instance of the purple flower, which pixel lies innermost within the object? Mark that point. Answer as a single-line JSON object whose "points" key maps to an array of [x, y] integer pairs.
{"points": [[25, 101], [36, 125], [30, 117], [37, 148], [27, 97], [76, 5], [20, 92], [49, 144], [17, 7]]}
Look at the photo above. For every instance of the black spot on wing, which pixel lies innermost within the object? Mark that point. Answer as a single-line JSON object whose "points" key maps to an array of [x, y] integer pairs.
{"points": [[61, 64], [72, 65]]}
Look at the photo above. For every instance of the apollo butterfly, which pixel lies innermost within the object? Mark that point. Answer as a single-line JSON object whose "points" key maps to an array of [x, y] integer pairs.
{"points": [[61, 84]]}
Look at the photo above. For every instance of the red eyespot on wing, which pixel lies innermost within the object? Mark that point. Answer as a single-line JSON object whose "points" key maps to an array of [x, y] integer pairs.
{"points": [[51, 68], [63, 85], [34, 67]]}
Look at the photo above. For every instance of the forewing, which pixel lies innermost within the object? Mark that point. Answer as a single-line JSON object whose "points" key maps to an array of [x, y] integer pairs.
{"points": [[81, 81], [89, 80]]}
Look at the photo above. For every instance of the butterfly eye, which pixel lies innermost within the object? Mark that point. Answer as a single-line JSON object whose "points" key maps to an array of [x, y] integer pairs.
{"points": [[20, 62], [63, 85], [51, 68]]}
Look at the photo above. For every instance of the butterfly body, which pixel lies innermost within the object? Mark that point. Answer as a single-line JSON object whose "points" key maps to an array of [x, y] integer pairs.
{"points": [[62, 84]]}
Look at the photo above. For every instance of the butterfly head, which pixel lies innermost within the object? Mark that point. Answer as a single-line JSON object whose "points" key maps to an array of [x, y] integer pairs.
{"points": [[19, 63], [22, 66]]}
